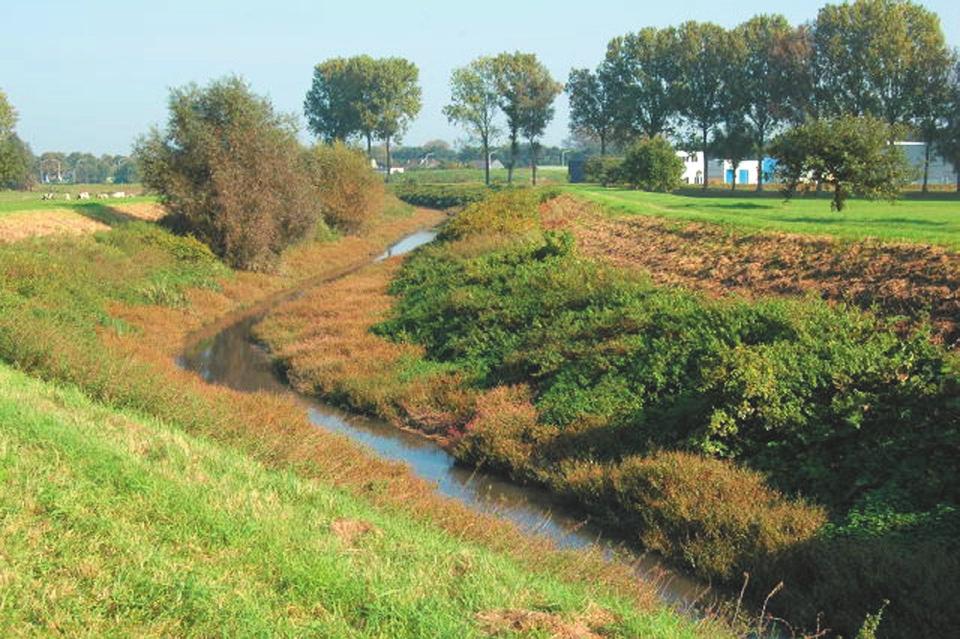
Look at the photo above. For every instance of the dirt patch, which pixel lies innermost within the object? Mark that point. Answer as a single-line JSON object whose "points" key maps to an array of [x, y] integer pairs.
{"points": [[18, 226], [588, 625], [349, 531], [899, 280]]}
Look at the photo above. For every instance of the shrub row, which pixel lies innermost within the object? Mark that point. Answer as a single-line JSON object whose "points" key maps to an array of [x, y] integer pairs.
{"points": [[440, 196], [824, 401]]}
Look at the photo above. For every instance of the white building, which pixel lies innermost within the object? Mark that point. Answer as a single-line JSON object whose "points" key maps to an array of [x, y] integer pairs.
{"points": [[723, 170]]}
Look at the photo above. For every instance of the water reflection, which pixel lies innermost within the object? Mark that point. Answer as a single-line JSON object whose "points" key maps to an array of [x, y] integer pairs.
{"points": [[232, 359]]}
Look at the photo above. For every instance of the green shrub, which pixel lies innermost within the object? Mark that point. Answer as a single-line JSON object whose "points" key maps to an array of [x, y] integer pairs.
{"points": [[768, 398], [351, 194], [230, 170], [603, 169], [652, 164], [511, 212], [440, 196]]}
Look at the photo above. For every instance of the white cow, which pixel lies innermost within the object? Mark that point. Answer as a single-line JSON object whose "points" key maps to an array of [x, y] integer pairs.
{"points": [[103, 196], [84, 195], [118, 194]]}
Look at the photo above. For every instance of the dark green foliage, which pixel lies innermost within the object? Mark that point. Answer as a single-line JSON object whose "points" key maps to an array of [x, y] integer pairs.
{"points": [[603, 170], [652, 164], [439, 196], [827, 400], [231, 171], [824, 401], [854, 155]]}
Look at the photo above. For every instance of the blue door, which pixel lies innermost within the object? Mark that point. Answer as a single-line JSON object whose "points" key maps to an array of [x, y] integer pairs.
{"points": [[744, 176], [729, 178]]}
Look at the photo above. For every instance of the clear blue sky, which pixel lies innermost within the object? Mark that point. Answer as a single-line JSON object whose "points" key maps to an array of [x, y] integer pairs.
{"points": [[92, 75]]}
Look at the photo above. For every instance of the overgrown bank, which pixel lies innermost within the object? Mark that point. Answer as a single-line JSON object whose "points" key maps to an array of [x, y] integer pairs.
{"points": [[687, 421], [104, 314]]}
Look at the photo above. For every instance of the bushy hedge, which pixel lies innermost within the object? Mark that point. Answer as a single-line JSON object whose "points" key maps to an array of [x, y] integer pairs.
{"points": [[824, 401], [351, 195], [603, 169], [652, 164], [440, 196], [230, 170]]}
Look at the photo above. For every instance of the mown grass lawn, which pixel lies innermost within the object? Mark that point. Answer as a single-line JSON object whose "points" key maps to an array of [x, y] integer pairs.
{"points": [[934, 221], [117, 524], [545, 175]]}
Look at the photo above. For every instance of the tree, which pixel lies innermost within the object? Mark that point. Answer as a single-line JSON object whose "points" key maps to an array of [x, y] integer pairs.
{"points": [[231, 171], [931, 106], [8, 116], [331, 105], [850, 153], [395, 99], [16, 159], [703, 62], [526, 93], [736, 142], [875, 57], [652, 164], [16, 163], [474, 103], [642, 67], [773, 58], [948, 138], [593, 104]]}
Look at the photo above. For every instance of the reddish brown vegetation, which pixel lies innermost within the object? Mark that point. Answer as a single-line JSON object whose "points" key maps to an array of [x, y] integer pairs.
{"points": [[588, 625], [137, 371], [898, 279], [323, 341]]}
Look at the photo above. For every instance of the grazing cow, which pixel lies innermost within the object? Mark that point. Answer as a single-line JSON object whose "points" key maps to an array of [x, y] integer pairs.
{"points": [[46, 196], [119, 194], [84, 195], [103, 196]]}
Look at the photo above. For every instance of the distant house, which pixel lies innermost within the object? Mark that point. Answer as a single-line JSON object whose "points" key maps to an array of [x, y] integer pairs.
{"points": [[723, 170]]}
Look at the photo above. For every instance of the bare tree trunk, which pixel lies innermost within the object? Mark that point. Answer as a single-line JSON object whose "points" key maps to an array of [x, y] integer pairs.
{"points": [[926, 165], [706, 162], [514, 147], [387, 142], [733, 179], [760, 163], [837, 197], [369, 146], [603, 145], [533, 161], [486, 160]]}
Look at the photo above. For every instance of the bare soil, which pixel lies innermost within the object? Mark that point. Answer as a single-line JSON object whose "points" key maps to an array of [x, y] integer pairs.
{"points": [[903, 280]]}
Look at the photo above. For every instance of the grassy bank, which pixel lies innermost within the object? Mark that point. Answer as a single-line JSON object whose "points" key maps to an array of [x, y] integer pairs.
{"points": [[118, 523], [522, 175], [934, 221], [141, 500], [690, 423]]}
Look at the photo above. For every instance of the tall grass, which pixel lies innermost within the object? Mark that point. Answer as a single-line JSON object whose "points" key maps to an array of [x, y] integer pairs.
{"points": [[199, 544]]}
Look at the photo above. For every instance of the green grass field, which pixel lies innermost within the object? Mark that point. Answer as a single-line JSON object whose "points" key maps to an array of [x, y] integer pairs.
{"points": [[934, 220], [117, 524], [545, 175]]}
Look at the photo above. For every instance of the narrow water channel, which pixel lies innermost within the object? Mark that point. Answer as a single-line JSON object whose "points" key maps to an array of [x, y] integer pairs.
{"points": [[232, 358]]}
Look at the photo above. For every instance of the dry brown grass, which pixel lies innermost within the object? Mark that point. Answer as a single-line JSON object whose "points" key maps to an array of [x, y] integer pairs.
{"points": [[898, 279], [19, 226], [274, 429]]}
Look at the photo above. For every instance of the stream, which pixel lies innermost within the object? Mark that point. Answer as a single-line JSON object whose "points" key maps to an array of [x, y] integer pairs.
{"points": [[232, 358]]}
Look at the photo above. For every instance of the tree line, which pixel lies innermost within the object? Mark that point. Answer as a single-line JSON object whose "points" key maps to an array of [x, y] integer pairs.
{"points": [[362, 97], [729, 91]]}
